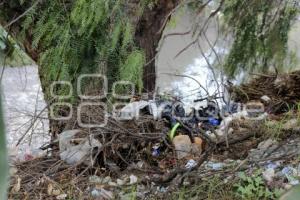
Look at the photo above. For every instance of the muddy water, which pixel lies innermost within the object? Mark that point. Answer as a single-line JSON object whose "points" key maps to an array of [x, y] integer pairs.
{"points": [[183, 74], [24, 109], [194, 66]]}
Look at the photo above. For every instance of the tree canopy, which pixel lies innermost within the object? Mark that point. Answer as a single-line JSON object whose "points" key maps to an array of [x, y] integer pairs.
{"points": [[69, 38]]}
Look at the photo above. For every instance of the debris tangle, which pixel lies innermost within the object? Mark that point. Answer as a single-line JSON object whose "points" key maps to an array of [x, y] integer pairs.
{"points": [[146, 145], [282, 89]]}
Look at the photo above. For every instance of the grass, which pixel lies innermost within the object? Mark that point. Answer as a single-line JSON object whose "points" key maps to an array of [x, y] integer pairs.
{"points": [[275, 129], [252, 187], [210, 189]]}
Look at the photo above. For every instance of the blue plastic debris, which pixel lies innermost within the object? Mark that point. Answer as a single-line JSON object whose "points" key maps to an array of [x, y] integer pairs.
{"points": [[272, 165], [155, 150], [213, 121]]}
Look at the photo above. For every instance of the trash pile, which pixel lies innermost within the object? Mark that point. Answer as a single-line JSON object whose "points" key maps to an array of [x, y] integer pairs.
{"points": [[159, 141]]}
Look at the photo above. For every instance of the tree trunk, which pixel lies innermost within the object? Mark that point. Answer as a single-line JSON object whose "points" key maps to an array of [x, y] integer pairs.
{"points": [[148, 34]]}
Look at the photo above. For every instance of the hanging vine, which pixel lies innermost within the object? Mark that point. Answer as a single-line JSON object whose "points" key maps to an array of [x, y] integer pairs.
{"points": [[86, 36], [260, 30]]}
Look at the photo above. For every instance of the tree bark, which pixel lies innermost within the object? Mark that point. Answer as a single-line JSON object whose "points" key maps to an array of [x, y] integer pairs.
{"points": [[148, 35]]}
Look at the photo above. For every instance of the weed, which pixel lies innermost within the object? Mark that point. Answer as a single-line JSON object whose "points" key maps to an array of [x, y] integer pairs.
{"points": [[213, 188], [253, 187]]}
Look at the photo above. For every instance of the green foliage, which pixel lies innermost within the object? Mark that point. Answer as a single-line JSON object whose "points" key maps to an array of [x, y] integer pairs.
{"points": [[131, 70], [260, 31], [129, 192], [211, 189], [277, 129], [86, 36], [253, 187], [10, 53]]}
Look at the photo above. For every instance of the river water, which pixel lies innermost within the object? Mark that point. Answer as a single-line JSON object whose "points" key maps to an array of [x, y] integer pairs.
{"points": [[190, 74], [182, 74], [26, 120]]}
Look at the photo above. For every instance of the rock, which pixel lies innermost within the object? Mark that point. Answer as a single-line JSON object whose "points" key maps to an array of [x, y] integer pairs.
{"points": [[269, 174], [133, 179], [183, 146]]}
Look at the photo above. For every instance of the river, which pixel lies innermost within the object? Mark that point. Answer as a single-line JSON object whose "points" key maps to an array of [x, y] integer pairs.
{"points": [[23, 101]]}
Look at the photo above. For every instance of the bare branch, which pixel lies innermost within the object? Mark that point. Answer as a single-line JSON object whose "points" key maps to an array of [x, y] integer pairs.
{"points": [[22, 15]]}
